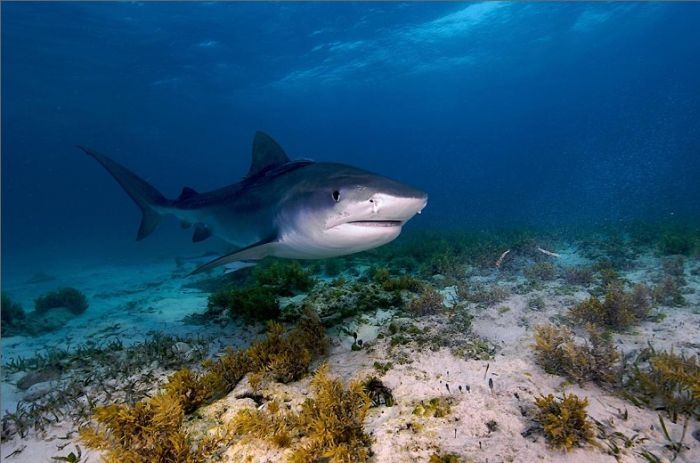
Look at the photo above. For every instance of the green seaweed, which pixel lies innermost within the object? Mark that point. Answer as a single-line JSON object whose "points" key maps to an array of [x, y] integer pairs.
{"points": [[678, 241], [378, 392], [581, 275], [70, 298], [253, 303], [11, 312], [285, 277], [382, 276], [437, 407], [540, 271]]}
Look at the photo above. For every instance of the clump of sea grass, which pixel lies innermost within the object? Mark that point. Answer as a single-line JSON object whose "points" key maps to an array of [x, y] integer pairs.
{"points": [[149, 431], [429, 302], [437, 407], [259, 299], [445, 263], [283, 357], [333, 421], [594, 360], [328, 427], [673, 266], [668, 292], [224, 373], [188, 388], [608, 274], [564, 421], [444, 458], [333, 267], [578, 275], [382, 368], [678, 241], [272, 423], [69, 298], [11, 312], [383, 277], [252, 303], [285, 277], [339, 299], [619, 310], [536, 303], [481, 294], [378, 392], [665, 380], [540, 271]]}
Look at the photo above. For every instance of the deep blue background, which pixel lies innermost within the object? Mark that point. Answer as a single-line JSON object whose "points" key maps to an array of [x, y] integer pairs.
{"points": [[505, 113]]}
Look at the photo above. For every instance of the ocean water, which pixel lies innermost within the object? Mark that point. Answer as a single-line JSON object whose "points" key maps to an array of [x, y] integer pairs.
{"points": [[558, 133]]}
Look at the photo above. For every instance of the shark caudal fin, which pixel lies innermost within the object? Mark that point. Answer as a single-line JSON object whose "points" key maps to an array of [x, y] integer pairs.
{"points": [[144, 195]]}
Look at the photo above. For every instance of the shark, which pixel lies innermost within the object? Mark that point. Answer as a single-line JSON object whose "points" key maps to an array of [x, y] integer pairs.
{"points": [[292, 209]]}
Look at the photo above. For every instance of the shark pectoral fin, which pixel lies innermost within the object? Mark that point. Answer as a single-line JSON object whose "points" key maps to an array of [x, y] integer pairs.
{"points": [[255, 251], [238, 265], [201, 232]]}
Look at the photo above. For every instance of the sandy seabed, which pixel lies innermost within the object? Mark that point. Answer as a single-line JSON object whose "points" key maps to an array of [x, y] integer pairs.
{"points": [[158, 299]]}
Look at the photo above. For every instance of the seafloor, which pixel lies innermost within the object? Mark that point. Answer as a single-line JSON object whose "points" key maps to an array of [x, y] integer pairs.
{"points": [[446, 345]]}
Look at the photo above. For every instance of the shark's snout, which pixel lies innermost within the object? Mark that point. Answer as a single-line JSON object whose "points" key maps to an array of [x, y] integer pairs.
{"points": [[397, 208]]}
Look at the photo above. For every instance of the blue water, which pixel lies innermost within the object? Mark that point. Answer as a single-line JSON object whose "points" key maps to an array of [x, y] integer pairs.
{"points": [[507, 114]]}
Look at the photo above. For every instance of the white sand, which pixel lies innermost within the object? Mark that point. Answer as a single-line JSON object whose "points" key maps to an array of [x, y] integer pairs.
{"points": [[162, 302]]}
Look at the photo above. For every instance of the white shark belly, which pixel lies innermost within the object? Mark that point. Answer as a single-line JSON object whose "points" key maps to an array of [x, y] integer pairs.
{"points": [[339, 241]]}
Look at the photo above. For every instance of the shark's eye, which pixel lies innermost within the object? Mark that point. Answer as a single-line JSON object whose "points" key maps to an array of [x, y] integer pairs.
{"points": [[336, 195]]}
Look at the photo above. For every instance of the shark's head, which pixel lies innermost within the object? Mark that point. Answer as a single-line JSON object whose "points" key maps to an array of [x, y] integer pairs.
{"points": [[339, 209]]}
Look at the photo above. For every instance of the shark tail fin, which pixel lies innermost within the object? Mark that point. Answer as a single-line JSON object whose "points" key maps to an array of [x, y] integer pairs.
{"points": [[143, 194]]}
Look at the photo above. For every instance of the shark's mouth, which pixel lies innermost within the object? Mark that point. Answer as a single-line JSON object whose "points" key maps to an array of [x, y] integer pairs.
{"points": [[377, 223]]}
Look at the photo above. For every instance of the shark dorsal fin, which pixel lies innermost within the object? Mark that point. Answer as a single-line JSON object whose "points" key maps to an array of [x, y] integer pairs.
{"points": [[266, 153], [187, 193], [201, 232]]}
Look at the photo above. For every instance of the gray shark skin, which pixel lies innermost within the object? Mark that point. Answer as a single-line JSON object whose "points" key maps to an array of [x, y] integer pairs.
{"points": [[289, 209]]}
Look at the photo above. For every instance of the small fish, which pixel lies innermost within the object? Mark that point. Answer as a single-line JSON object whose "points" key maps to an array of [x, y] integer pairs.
{"points": [[468, 388], [548, 253], [460, 388], [487, 369], [448, 388], [500, 259], [491, 384]]}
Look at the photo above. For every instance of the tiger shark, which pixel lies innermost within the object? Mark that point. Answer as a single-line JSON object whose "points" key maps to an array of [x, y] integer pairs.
{"points": [[295, 209]]}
